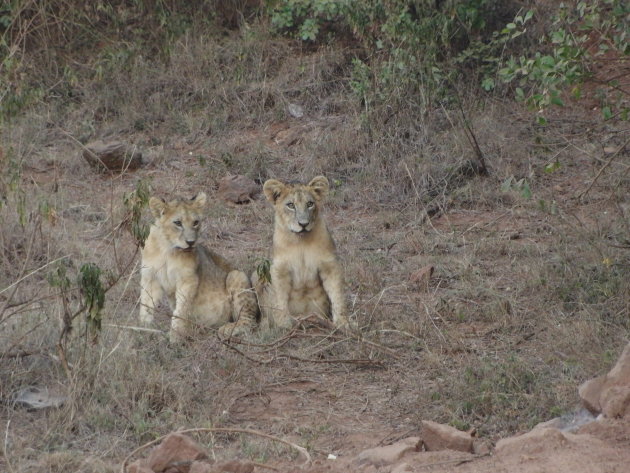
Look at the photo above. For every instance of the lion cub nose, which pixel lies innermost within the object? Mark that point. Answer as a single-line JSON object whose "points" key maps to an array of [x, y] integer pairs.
{"points": [[190, 243]]}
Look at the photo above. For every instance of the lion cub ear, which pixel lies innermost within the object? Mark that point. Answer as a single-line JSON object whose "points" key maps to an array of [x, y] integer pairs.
{"points": [[157, 206], [273, 189], [320, 186], [199, 200]]}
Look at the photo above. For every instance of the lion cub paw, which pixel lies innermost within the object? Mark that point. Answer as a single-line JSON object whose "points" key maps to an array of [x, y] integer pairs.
{"points": [[233, 329], [346, 325]]}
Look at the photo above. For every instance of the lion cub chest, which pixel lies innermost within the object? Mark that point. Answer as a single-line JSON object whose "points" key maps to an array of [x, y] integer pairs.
{"points": [[171, 269], [301, 268]]}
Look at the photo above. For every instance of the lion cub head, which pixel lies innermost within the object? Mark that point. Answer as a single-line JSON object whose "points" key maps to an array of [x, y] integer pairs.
{"points": [[297, 205], [179, 220]]}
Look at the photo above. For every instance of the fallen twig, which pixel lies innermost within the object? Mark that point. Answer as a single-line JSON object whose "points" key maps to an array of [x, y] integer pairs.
{"points": [[601, 170], [297, 447]]}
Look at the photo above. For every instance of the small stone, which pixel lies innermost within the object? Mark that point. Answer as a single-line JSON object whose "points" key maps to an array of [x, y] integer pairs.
{"points": [[444, 437], [295, 110], [174, 448], [112, 156], [422, 276], [201, 467], [481, 447], [381, 456], [234, 466], [237, 189]]}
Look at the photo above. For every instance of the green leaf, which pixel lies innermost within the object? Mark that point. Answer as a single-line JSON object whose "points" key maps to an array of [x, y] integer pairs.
{"points": [[556, 100], [607, 113], [551, 167], [507, 184], [488, 84], [526, 191], [541, 120]]}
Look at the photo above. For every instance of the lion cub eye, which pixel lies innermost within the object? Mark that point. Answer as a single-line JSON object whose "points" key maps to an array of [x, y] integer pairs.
{"points": [[310, 204], [196, 223], [291, 205], [178, 223]]}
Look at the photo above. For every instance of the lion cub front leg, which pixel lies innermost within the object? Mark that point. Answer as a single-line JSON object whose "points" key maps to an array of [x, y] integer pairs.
{"points": [[151, 293], [184, 297], [333, 283], [243, 305], [281, 282]]}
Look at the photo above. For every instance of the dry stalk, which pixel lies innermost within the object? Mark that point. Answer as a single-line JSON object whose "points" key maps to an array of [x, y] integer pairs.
{"points": [[21, 276], [297, 447], [601, 170], [68, 318], [266, 361], [6, 445]]}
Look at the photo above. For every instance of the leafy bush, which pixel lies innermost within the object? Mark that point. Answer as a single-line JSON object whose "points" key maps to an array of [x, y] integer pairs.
{"points": [[415, 50], [577, 37]]}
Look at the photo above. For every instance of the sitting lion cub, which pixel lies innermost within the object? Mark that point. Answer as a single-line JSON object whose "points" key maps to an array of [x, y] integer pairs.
{"points": [[201, 287], [306, 276]]}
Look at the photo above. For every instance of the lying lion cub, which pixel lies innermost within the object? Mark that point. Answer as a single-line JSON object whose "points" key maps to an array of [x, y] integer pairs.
{"points": [[306, 276], [201, 287]]}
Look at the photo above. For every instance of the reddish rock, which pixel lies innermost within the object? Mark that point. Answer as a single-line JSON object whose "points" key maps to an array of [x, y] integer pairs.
{"points": [[543, 440], [381, 456], [175, 448], [139, 466], [444, 437], [201, 467], [422, 276], [237, 189], [234, 466], [609, 394], [112, 156], [532, 442], [590, 392], [615, 401]]}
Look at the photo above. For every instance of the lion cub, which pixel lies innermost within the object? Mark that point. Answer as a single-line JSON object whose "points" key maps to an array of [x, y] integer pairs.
{"points": [[201, 287], [306, 276]]}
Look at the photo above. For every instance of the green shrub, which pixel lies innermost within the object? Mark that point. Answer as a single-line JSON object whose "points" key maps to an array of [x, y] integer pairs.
{"points": [[577, 37]]}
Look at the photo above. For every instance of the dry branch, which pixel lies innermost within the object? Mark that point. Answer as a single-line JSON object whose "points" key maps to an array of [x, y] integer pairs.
{"points": [[601, 170], [297, 447]]}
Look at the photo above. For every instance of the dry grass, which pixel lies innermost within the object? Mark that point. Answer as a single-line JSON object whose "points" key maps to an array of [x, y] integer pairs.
{"points": [[529, 298]]}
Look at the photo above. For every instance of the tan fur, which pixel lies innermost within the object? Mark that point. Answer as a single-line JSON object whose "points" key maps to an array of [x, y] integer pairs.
{"points": [[306, 276], [202, 288]]}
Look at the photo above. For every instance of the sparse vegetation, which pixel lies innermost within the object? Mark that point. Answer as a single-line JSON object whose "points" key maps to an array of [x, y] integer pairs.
{"points": [[403, 104]]}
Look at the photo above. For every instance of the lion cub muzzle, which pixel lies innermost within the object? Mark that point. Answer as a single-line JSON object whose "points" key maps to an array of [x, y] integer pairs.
{"points": [[300, 212]]}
